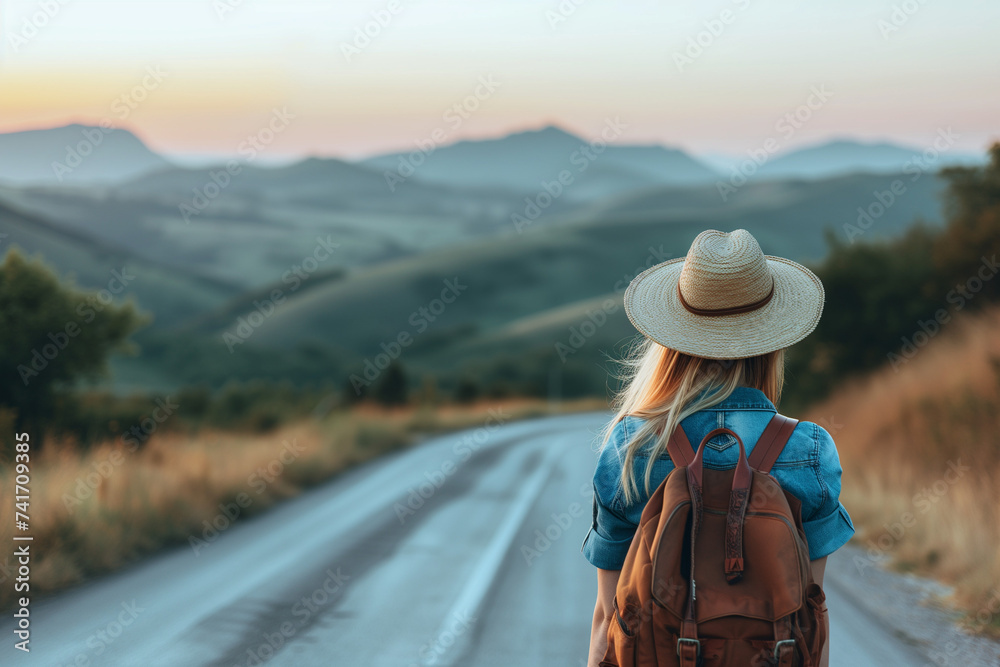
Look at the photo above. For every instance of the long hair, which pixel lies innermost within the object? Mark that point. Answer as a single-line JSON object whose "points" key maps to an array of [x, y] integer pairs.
{"points": [[663, 386]]}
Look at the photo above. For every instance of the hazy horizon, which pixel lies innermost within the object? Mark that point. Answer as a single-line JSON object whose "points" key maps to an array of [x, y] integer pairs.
{"points": [[714, 159], [713, 80]]}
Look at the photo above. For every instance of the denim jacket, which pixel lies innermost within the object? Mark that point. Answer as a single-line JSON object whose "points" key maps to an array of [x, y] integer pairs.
{"points": [[808, 467]]}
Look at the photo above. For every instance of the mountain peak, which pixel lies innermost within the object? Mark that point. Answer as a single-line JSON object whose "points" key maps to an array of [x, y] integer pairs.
{"points": [[546, 131], [28, 156], [528, 158], [537, 136]]}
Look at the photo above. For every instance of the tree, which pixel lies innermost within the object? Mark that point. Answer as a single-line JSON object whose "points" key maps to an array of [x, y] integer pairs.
{"points": [[967, 250], [53, 335], [884, 299], [467, 390], [393, 388]]}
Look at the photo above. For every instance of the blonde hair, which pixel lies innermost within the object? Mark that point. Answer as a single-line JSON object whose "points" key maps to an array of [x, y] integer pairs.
{"points": [[663, 386]]}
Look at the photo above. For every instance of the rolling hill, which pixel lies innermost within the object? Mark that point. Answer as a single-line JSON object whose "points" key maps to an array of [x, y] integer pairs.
{"points": [[834, 201], [519, 291], [171, 296], [290, 182], [267, 220], [74, 155]]}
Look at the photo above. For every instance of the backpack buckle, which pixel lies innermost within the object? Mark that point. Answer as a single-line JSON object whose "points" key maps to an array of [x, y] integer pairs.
{"points": [[780, 644], [697, 645]]}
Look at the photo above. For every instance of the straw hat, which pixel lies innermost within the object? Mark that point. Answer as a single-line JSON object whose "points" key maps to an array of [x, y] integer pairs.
{"points": [[726, 299]]}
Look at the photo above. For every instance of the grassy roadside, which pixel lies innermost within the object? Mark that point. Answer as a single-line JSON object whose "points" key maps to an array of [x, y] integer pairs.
{"points": [[920, 449], [95, 511]]}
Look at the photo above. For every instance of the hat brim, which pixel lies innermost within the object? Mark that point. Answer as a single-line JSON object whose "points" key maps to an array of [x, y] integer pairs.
{"points": [[654, 308]]}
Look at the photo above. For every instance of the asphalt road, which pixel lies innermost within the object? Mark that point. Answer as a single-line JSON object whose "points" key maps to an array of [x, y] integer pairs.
{"points": [[430, 556]]}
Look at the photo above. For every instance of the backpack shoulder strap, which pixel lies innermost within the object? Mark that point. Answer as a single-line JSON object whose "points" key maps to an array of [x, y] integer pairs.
{"points": [[771, 442], [680, 449]]}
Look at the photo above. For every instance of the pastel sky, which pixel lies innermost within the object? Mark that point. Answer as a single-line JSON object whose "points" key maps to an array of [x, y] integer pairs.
{"points": [[227, 64]]}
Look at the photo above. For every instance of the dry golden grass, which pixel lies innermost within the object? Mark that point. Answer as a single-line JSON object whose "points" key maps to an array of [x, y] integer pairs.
{"points": [[902, 437], [95, 511]]}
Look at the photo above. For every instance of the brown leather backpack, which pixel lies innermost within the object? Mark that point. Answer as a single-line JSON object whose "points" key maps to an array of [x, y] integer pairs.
{"points": [[739, 535]]}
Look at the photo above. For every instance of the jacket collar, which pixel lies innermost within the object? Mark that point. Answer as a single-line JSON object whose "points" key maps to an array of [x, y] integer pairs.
{"points": [[745, 398]]}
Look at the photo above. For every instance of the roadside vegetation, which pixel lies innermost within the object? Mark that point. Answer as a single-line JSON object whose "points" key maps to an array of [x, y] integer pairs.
{"points": [[887, 300], [904, 369], [920, 450], [97, 508]]}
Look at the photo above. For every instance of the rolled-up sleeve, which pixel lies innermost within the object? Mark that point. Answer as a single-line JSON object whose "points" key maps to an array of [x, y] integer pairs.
{"points": [[825, 520], [607, 542]]}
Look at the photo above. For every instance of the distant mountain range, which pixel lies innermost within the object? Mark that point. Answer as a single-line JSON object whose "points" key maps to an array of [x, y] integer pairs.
{"points": [[844, 156], [521, 162], [74, 155]]}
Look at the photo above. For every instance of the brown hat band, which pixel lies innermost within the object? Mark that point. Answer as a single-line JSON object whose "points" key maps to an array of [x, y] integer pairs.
{"points": [[716, 312]]}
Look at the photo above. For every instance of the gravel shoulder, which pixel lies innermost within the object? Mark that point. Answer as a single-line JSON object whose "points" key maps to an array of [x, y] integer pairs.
{"points": [[915, 609]]}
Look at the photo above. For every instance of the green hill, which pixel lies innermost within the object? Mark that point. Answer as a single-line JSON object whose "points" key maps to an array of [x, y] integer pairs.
{"points": [[521, 290], [516, 295], [169, 295]]}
